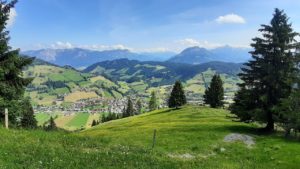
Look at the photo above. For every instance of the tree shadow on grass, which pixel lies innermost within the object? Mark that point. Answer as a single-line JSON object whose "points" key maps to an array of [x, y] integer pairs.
{"points": [[242, 129], [256, 131]]}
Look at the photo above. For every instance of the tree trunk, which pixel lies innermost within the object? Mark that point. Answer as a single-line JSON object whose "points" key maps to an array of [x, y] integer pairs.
{"points": [[287, 132], [270, 125]]}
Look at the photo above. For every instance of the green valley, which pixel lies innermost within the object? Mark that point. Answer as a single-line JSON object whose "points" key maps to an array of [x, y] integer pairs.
{"points": [[65, 92]]}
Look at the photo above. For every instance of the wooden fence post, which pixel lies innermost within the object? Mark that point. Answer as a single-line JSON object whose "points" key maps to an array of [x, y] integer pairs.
{"points": [[154, 138], [6, 118]]}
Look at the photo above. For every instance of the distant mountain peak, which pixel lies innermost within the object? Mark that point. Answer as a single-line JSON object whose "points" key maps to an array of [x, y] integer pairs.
{"points": [[78, 57], [198, 55], [194, 49]]}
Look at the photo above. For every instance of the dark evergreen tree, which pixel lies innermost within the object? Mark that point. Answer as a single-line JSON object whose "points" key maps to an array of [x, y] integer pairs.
{"points": [[129, 109], [177, 97], [214, 94], [139, 106], [243, 101], [94, 123], [101, 118], [28, 119], [288, 114], [51, 124], [153, 102], [12, 84], [270, 75]]}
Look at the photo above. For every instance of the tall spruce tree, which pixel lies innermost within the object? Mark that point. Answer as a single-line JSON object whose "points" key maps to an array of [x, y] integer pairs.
{"points": [[139, 107], [94, 123], [214, 94], [12, 84], [153, 102], [177, 97], [51, 125], [28, 119], [270, 75], [129, 109]]}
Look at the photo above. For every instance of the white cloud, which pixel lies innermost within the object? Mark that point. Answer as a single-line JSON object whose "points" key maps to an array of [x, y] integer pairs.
{"points": [[100, 47], [231, 18], [189, 42], [153, 50], [174, 46], [12, 17], [68, 45], [62, 45]]}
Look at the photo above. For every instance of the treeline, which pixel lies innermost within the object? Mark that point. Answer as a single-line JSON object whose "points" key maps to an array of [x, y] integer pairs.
{"points": [[129, 110], [55, 84]]}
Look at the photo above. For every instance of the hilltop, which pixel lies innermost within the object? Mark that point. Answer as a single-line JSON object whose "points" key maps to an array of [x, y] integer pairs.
{"points": [[191, 137]]}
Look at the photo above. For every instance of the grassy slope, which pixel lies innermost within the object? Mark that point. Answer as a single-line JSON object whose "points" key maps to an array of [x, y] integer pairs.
{"points": [[92, 117], [43, 95], [126, 143], [79, 121]]}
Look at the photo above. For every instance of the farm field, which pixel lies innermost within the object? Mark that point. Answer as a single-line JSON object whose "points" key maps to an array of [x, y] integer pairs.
{"points": [[79, 121], [69, 122], [190, 137], [42, 118]]}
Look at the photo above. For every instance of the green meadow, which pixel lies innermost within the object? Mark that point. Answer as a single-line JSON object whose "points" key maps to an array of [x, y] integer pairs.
{"points": [[190, 137]]}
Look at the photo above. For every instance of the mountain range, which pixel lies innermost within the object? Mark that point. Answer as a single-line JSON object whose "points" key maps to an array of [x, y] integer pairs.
{"points": [[78, 58], [167, 72], [197, 55]]}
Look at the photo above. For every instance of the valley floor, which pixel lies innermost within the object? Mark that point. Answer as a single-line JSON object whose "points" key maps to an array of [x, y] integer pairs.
{"points": [[191, 137]]}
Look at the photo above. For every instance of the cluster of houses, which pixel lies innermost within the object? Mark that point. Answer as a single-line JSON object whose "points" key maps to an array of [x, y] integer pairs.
{"points": [[94, 105], [109, 105]]}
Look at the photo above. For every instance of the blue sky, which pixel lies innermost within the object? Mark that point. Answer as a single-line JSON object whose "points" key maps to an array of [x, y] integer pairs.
{"points": [[142, 25]]}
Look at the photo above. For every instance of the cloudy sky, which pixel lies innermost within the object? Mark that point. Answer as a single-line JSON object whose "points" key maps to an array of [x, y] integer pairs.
{"points": [[142, 25]]}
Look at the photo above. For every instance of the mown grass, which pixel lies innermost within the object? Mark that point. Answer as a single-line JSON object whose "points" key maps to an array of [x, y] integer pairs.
{"points": [[42, 118], [191, 137], [79, 121]]}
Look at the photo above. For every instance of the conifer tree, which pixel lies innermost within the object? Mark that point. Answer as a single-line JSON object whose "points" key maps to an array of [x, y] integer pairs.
{"points": [[288, 113], [139, 106], [12, 84], [94, 123], [28, 119], [177, 97], [129, 109], [153, 102], [269, 76], [52, 124], [214, 94]]}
